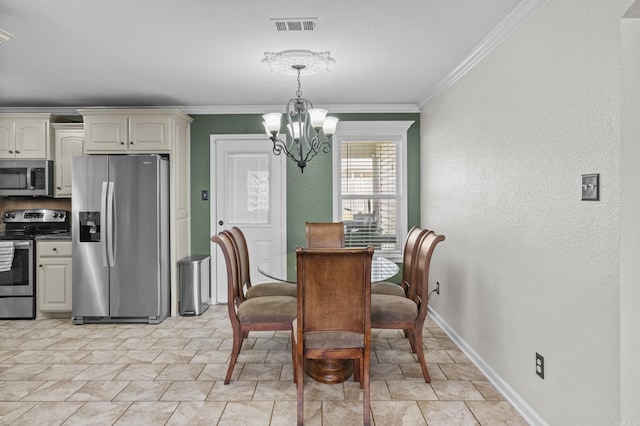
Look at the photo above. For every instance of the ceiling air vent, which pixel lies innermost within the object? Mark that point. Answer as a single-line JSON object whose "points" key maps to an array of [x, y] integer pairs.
{"points": [[294, 24]]}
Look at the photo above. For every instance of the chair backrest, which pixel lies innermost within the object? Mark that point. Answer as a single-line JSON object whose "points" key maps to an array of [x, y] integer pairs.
{"points": [[334, 289], [422, 263], [242, 254], [411, 247], [226, 245], [325, 234]]}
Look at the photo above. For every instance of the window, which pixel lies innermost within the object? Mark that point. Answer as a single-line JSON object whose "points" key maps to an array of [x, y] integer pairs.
{"points": [[369, 184]]}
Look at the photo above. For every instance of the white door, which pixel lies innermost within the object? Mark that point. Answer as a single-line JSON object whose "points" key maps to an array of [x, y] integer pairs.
{"points": [[249, 191]]}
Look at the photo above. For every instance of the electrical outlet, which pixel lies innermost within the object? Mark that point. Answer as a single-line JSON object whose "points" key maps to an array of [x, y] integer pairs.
{"points": [[437, 287], [540, 365]]}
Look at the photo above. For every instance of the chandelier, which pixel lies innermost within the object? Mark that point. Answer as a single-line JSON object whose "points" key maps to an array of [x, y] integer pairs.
{"points": [[306, 124]]}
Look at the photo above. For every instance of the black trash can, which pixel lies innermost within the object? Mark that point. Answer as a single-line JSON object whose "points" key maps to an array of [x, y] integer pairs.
{"points": [[193, 275]]}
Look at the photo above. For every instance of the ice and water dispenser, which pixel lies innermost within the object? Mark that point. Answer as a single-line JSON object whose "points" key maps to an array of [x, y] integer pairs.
{"points": [[89, 227]]}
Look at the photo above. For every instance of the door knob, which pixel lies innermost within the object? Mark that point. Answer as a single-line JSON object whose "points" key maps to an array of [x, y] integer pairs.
{"points": [[220, 223]]}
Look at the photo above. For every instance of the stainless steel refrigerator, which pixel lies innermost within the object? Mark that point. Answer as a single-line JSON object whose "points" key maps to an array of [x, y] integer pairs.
{"points": [[120, 231]]}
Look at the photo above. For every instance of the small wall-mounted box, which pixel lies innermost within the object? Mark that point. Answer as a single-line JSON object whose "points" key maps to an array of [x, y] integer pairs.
{"points": [[591, 187]]}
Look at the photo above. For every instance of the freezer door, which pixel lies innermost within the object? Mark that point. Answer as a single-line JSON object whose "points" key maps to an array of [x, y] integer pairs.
{"points": [[90, 294], [136, 279]]}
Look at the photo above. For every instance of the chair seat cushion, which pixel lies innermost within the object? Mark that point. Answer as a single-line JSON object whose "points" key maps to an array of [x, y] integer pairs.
{"points": [[385, 287], [329, 339], [268, 309], [272, 289], [392, 308], [333, 339]]}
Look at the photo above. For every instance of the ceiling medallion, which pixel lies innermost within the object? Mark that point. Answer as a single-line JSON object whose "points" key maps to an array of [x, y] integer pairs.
{"points": [[4, 35], [285, 62]]}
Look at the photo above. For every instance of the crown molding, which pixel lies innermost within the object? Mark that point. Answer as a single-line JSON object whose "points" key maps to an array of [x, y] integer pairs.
{"points": [[234, 109], [521, 14], [263, 109]]}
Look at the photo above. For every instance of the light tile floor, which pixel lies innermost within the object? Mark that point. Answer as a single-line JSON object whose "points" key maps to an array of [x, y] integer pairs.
{"points": [[53, 372]]}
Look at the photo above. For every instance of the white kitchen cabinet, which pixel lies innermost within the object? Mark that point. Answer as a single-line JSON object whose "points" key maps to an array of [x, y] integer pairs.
{"points": [[128, 131], [26, 136], [151, 131], [53, 281], [69, 142]]}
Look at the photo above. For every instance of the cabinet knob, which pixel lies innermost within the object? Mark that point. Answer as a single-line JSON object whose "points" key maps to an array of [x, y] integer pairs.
{"points": [[59, 188], [17, 152], [131, 142], [40, 266], [10, 152], [121, 143], [55, 249]]}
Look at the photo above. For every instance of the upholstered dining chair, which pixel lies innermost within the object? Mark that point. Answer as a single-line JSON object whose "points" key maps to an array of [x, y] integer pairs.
{"points": [[325, 234], [409, 313], [249, 291], [408, 256], [333, 315], [267, 313]]}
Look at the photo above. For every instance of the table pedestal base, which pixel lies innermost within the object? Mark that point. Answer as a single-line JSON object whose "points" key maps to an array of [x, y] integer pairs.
{"points": [[329, 371]]}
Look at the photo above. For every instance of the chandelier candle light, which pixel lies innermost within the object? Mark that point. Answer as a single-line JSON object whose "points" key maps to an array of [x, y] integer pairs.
{"points": [[304, 121]]}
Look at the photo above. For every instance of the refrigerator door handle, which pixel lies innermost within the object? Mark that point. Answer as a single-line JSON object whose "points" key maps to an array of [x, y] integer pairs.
{"points": [[103, 223], [110, 225]]}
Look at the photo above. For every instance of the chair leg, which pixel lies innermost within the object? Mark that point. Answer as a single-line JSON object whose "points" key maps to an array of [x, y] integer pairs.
{"points": [[238, 338], [420, 352], [300, 384], [357, 371], [412, 339], [293, 356], [365, 384]]}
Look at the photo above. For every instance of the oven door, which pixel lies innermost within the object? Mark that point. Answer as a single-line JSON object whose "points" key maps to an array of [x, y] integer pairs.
{"points": [[18, 281]]}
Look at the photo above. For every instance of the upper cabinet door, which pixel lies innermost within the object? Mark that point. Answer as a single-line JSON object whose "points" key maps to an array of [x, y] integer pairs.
{"points": [[149, 133], [31, 138], [106, 134], [69, 141], [7, 139]]}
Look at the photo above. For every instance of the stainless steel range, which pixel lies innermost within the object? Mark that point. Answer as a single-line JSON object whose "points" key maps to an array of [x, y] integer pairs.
{"points": [[17, 257]]}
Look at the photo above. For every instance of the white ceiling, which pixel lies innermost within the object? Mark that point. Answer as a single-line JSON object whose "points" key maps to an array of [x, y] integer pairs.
{"points": [[205, 55]]}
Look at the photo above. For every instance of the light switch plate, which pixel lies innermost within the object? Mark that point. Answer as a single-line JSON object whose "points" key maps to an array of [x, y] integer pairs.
{"points": [[591, 187]]}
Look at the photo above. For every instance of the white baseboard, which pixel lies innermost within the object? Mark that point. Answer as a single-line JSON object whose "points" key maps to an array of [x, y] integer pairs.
{"points": [[525, 410]]}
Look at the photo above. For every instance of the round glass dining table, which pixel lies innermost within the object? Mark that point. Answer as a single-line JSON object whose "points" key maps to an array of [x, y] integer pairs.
{"points": [[283, 268]]}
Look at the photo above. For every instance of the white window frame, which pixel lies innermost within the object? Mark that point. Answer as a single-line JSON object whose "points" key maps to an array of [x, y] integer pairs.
{"points": [[372, 131]]}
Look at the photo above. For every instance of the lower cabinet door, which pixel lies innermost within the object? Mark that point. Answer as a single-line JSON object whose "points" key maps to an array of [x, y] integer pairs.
{"points": [[54, 285]]}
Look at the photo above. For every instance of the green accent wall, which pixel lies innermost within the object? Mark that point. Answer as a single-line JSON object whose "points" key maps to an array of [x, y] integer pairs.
{"points": [[309, 194]]}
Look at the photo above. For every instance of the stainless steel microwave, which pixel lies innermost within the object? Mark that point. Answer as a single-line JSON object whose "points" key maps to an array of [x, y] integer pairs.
{"points": [[31, 178]]}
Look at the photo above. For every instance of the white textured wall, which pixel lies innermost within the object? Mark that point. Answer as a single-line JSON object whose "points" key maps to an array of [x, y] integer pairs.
{"points": [[527, 266]]}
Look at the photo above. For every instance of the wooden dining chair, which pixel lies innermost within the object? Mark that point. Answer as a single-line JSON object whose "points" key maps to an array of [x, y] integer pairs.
{"points": [[249, 291], [409, 313], [408, 256], [333, 315], [267, 313], [325, 234]]}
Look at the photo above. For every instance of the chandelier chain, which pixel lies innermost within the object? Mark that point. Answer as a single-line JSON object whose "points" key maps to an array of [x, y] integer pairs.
{"points": [[299, 91]]}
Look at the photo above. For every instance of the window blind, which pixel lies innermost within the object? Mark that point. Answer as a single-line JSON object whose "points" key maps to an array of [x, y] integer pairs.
{"points": [[369, 194]]}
